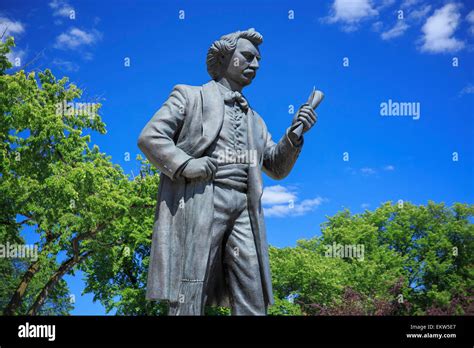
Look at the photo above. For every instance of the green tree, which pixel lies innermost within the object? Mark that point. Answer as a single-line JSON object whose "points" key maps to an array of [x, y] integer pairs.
{"points": [[52, 181], [416, 260], [117, 275], [11, 271]]}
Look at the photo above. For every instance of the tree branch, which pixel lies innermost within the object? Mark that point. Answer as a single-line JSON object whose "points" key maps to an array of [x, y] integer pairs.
{"points": [[65, 267]]}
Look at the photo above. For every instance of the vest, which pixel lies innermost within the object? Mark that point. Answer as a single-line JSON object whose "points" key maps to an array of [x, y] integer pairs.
{"points": [[230, 147]]}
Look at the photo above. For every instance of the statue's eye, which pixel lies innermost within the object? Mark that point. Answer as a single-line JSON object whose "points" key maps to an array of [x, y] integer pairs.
{"points": [[247, 55]]}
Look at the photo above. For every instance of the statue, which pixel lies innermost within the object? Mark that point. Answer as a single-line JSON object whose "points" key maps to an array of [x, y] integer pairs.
{"points": [[209, 244]]}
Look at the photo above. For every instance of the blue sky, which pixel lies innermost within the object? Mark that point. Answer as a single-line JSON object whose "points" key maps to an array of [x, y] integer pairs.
{"points": [[422, 56]]}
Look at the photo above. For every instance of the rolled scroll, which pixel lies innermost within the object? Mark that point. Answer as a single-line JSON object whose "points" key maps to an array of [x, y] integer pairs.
{"points": [[314, 100]]}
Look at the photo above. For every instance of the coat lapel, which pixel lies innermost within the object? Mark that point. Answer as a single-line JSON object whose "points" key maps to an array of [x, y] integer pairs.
{"points": [[255, 190], [212, 110], [254, 178]]}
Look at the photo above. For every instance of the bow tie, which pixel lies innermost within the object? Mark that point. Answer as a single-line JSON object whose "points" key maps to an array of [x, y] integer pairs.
{"points": [[235, 97]]}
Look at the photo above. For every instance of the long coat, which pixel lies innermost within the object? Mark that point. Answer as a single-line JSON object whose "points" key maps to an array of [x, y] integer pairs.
{"points": [[182, 129]]}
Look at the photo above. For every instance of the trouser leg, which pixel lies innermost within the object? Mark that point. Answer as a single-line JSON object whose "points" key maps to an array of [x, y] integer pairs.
{"points": [[222, 226], [233, 260], [242, 268]]}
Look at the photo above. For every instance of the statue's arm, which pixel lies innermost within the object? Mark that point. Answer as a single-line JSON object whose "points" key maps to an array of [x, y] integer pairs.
{"points": [[279, 158], [157, 139]]}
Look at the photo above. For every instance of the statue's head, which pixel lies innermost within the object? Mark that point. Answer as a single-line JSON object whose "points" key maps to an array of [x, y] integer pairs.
{"points": [[235, 56]]}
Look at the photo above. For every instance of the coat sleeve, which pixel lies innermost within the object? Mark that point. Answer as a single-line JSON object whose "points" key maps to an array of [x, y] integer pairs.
{"points": [[157, 139], [279, 158]]}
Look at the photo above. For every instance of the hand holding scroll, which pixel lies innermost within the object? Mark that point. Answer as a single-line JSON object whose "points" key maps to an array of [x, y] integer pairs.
{"points": [[306, 117]]}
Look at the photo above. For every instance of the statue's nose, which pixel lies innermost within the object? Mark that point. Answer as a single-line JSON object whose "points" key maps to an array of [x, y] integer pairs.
{"points": [[254, 65]]}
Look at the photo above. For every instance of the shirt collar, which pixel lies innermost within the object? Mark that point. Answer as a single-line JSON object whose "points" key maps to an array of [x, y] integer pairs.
{"points": [[223, 89]]}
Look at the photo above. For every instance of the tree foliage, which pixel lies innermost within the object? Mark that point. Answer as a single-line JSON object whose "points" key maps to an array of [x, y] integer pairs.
{"points": [[417, 260], [68, 193]]}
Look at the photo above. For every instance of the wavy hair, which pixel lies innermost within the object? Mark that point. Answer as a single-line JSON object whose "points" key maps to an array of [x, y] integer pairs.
{"points": [[226, 45]]}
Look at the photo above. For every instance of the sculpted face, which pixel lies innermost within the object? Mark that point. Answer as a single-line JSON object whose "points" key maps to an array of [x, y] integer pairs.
{"points": [[243, 64]]}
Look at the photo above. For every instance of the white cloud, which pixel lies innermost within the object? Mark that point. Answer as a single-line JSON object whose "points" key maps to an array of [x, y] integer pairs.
{"points": [[10, 27], [66, 65], [377, 26], [76, 38], [382, 4], [365, 205], [87, 56], [470, 17], [367, 171], [417, 15], [470, 20], [277, 194], [279, 201], [469, 89], [396, 31], [409, 3], [61, 8], [297, 209], [350, 13], [412, 16], [16, 57], [439, 29]]}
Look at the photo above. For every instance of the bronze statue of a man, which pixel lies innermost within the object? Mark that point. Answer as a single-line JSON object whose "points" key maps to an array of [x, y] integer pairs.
{"points": [[209, 244]]}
